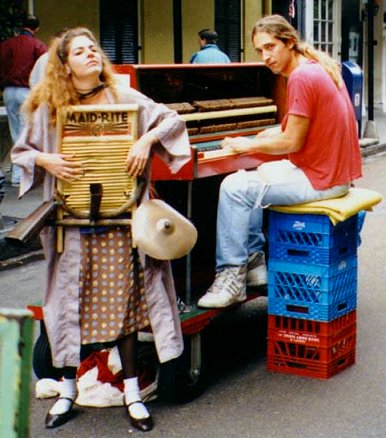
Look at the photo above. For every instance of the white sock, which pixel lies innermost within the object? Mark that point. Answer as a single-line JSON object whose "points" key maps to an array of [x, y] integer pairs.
{"points": [[61, 406], [132, 394], [68, 390]]}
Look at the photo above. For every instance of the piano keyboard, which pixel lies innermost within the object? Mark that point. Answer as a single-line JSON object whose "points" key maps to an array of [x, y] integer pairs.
{"points": [[215, 145], [212, 149]]}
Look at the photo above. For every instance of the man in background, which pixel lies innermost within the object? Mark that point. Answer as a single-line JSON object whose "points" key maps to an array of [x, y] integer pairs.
{"points": [[39, 70], [209, 52], [17, 58]]}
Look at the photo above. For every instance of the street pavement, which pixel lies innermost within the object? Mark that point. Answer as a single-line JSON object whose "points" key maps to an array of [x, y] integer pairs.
{"points": [[242, 398]]}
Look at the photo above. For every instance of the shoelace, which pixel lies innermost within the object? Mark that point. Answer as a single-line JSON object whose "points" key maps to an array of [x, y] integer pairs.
{"points": [[226, 281]]}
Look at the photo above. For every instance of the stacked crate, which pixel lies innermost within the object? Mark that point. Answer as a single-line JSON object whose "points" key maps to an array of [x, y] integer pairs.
{"points": [[312, 294]]}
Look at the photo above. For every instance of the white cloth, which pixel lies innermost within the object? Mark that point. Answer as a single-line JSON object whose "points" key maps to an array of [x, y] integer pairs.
{"points": [[38, 71], [94, 393]]}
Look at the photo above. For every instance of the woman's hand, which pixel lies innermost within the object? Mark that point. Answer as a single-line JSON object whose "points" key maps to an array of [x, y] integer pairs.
{"points": [[237, 144], [63, 166], [137, 157]]}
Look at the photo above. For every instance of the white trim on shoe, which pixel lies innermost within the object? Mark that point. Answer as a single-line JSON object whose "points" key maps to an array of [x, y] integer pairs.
{"points": [[257, 274], [229, 287]]}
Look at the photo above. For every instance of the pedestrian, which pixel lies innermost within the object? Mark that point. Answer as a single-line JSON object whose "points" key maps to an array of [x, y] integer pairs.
{"points": [[319, 138], [209, 52], [38, 72], [17, 58], [78, 72]]}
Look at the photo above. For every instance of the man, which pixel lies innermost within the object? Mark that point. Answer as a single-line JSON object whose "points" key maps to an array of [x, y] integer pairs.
{"points": [[209, 52], [17, 58], [319, 136]]}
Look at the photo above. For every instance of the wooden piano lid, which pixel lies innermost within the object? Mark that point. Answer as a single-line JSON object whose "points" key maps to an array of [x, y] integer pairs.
{"points": [[173, 83]]}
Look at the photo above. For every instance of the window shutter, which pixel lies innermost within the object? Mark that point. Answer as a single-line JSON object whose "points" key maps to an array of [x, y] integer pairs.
{"points": [[119, 30], [227, 25]]}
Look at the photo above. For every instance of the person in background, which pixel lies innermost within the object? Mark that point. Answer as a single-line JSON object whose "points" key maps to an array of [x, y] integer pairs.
{"points": [[100, 288], [38, 72], [320, 137], [17, 58], [209, 52]]}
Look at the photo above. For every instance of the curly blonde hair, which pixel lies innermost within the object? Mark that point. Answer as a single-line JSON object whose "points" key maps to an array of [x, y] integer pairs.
{"points": [[279, 28], [57, 88]]}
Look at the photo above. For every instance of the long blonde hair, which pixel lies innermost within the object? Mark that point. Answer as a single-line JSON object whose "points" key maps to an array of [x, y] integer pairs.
{"points": [[57, 88], [279, 28]]}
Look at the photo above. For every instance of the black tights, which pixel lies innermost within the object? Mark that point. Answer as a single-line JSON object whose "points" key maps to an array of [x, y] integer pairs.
{"points": [[69, 372], [127, 349]]}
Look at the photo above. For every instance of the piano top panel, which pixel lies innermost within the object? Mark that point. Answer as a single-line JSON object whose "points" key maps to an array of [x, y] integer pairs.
{"points": [[173, 83]]}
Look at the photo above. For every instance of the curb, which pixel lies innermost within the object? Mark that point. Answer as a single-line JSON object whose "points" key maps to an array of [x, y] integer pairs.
{"points": [[371, 150], [16, 262]]}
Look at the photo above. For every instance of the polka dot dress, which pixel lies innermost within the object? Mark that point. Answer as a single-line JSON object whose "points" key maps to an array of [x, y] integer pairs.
{"points": [[112, 292]]}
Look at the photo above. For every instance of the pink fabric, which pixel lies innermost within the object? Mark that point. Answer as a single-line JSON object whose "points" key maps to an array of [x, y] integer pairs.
{"points": [[331, 154]]}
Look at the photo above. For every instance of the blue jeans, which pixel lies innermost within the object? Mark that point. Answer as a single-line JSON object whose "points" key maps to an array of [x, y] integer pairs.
{"points": [[13, 99], [244, 194]]}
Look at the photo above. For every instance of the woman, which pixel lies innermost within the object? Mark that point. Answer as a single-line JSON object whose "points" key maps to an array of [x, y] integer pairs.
{"points": [[319, 136], [78, 72]]}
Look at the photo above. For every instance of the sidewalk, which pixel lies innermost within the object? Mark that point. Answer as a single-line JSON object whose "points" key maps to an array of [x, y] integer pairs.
{"points": [[372, 146], [12, 209]]}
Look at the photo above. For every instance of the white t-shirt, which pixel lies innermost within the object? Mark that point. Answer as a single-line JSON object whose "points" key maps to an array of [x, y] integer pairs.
{"points": [[38, 71]]}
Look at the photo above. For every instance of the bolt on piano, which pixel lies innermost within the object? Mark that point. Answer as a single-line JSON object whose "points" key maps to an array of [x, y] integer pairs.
{"points": [[215, 100]]}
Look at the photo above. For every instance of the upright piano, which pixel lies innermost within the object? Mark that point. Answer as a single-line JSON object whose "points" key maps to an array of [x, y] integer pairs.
{"points": [[215, 100]]}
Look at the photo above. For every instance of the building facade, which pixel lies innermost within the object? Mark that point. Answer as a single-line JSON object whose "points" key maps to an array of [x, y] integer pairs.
{"points": [[165, 31]]}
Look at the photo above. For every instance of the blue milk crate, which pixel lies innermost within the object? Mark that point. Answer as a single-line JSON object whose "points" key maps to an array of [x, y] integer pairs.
{"points": [[320, 293], [311, 238]]}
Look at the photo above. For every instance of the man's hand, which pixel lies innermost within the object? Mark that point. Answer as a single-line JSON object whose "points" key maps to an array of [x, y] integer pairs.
{"points": [[237, 145], [269, 132]]}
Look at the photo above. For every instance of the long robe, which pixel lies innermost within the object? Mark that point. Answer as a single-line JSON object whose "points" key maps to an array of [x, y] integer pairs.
{"points": [[61, 305]]}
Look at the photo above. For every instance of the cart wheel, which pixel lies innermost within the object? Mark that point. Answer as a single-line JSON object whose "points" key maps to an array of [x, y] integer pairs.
{"points": [[42, 359], [183, 379]]}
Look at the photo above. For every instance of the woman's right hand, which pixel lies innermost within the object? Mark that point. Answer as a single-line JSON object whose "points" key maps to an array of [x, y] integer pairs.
{"points": [[63, 166]]}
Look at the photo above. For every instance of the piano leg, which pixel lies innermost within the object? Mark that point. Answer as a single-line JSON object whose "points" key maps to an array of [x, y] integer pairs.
{"points": [[188, 285], [196, 200]]}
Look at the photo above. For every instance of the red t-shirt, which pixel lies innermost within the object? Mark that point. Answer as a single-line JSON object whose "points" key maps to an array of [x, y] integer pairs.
{"points": [[17, 58], [330, 155]]}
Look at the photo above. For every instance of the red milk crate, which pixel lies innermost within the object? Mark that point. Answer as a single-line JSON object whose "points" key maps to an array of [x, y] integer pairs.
{"points": [[313, 352], [311, 369], [309, 332]]}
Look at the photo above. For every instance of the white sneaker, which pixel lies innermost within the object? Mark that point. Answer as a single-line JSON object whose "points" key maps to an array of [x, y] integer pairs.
{"points": [[257, 270], [229, 287]]}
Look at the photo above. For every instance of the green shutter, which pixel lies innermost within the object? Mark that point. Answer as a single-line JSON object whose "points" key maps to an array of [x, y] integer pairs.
{"points": [[119, 30], [227, 25], [16, 337]]}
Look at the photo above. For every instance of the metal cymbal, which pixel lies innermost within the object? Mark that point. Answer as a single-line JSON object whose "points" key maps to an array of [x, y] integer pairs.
{"points": [[162, 232]]}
